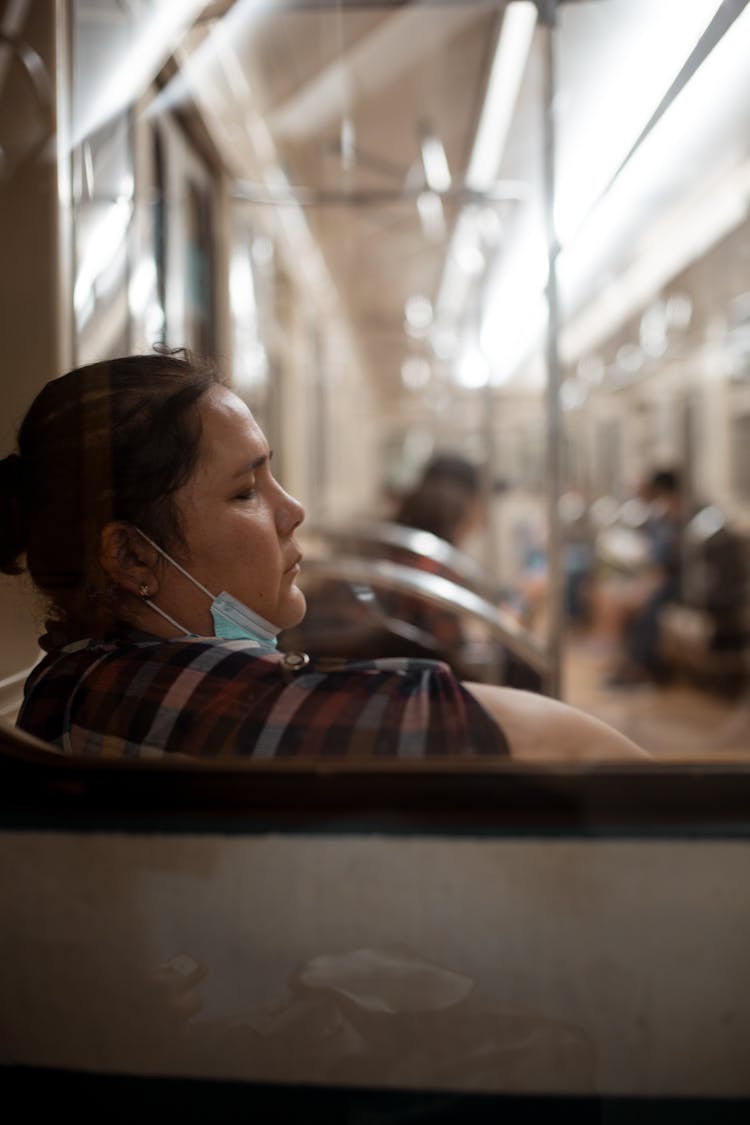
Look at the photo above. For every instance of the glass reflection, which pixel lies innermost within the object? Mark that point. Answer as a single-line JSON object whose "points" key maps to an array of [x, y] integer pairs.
{"points": [[347, 203]]}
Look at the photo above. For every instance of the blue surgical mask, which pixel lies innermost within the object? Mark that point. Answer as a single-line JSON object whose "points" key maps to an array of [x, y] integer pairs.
{"points": [[233, 620]]}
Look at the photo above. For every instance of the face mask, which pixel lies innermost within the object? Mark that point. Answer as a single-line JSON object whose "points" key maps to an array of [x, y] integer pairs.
{"points": [[233, 621]]}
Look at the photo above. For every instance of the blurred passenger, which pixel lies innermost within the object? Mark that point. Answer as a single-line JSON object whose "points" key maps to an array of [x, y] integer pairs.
{"points": [[447, 502], [577, 561], [577, 555], [716, 578], [709, 633], [142, 503], [660, 582]]}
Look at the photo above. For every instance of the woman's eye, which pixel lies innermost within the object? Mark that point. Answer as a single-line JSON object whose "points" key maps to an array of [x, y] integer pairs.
{"points": [[247, 494]]}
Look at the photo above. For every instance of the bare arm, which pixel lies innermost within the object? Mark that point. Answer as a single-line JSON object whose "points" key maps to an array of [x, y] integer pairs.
{"points": [[542, 729]]}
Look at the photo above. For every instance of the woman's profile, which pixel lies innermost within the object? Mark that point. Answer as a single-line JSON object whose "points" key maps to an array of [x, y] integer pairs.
{"points": [[143, 504]]}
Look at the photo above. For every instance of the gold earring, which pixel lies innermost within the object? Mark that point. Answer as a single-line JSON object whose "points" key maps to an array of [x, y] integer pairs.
{"points": [[143, 590]]}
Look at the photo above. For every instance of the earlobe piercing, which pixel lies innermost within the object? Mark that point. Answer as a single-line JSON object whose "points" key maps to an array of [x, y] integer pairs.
{"points": [[143, 590]]}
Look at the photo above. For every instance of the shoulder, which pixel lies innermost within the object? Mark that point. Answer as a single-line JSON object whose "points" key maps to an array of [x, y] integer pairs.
{"points": [[215, 697], [542, 729]]}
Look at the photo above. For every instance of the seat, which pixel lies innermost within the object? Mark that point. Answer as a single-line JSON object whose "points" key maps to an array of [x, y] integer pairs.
{"points": [[347, 617], [438, 942]]}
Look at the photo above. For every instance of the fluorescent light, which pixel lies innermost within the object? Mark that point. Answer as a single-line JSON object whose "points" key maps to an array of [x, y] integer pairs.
{"points": [[601, 129], [242, 286], [435, 163], [431, 215], [619, 225], [348, 142], [469, 257], [506, 75], [508, 65], [513, 333], [473, 370]]}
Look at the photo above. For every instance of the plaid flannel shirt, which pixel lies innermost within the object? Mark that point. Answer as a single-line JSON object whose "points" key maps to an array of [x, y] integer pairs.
{"points": [[138, 695]]}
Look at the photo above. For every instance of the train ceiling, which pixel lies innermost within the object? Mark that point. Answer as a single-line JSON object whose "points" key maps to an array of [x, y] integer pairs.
{"points": [[357, 122], [397, 150], [359, 125], [401, 147]]}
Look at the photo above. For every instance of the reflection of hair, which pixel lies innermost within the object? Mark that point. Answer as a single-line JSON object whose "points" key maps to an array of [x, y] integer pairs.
{"points": [[112, 441], [450, 469], [664, 480], [436, 506], [442, 500]]}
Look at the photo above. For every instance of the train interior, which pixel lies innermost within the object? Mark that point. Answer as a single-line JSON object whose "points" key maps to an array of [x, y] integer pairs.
{"points": [[507, 238]]}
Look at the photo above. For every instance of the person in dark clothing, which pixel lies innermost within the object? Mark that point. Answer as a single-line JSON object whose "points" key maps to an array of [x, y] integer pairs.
{"points": [[640, 660], [447, 502]]}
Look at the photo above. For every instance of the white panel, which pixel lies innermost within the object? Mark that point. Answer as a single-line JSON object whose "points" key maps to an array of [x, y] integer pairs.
{"points": [[600, 967]]}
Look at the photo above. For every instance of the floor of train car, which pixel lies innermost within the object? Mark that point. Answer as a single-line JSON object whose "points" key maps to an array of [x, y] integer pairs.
{"points": [[679, 718]]}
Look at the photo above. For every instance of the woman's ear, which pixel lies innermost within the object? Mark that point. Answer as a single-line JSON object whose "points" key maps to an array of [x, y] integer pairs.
{"points": [[129, 561]]}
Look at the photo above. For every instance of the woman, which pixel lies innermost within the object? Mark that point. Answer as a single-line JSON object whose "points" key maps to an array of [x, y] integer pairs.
{"points": [[143, 502]]}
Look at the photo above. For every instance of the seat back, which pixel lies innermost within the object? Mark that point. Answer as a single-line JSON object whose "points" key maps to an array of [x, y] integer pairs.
{"points": [[505, 931]]}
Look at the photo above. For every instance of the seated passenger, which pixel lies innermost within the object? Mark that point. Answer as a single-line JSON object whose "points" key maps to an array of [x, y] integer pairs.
{"points": [[447, 503], [143, 502], [661, 583]]}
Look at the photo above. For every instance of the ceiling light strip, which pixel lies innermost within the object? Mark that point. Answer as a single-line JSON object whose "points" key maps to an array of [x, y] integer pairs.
{"points": [[720, 24]]}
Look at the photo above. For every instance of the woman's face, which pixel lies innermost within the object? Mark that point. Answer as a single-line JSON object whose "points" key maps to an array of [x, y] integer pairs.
{"points": [[238, 524]]}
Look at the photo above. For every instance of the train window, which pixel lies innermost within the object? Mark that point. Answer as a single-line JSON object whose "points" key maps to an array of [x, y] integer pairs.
{"points": [[356, 207], [102, 185], [511, 235]]}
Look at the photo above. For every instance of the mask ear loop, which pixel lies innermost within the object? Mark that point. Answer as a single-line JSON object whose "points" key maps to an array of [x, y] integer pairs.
{"points": [[181, 569], [143, 589], [267, 627], [165, 615]]}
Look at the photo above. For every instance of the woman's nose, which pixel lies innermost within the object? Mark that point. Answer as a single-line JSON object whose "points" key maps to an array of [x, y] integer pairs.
{"points": [[290, 513]]}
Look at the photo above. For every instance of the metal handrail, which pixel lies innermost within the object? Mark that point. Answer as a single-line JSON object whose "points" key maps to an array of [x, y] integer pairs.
{"points": [[421, 544], [437, 591]]}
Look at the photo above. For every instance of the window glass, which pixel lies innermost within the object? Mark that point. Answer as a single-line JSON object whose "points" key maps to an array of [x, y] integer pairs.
{"points": [[354, 207]]}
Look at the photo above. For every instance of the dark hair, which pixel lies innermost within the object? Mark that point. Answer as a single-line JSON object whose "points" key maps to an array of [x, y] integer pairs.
{"points": [[111, 441], [437, 506], [454, 470], [664, 480], [442, 499]]}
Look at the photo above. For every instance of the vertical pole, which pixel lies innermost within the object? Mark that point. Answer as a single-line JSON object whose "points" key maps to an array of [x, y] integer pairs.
{"points": [[488, 469], [317, 499], [556, 616], [65, 218]]}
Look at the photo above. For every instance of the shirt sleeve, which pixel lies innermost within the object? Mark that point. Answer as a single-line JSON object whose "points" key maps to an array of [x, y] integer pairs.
{"points": [[219, 700], [407, 709]]}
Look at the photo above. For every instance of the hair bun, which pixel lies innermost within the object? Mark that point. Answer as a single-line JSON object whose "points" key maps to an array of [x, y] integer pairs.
{"points": [[12, 524], [10, 469]]}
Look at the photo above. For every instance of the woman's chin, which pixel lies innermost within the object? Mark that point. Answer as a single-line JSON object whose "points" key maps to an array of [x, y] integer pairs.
{"points": [[295, 611]]}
